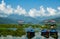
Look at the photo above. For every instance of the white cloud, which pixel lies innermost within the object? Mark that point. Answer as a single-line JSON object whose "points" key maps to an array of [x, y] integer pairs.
{"points": [[36, 13], [5, 9], [42, 11], [51, 11], [2, 6], [33, 13], [58, 8], [8, 10], [20, 10]]}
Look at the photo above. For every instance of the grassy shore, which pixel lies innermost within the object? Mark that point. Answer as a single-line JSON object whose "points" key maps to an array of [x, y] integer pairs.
{"points": [[20, 29], [6, 29]]}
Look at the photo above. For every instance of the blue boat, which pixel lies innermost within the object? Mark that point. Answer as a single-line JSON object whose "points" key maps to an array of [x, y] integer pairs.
{"points": [[45, 33], [30, 32], [54, 33]]}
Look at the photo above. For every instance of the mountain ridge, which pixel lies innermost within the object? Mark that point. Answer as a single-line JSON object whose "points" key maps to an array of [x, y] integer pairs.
{"points": [[15, 18]]}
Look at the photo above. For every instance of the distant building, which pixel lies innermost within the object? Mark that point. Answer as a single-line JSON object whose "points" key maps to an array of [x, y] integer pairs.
{"points": [[21, 22], [51, 23]]}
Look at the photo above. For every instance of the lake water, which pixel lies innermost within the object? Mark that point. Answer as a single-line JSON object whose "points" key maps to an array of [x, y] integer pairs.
{"points": [[37, 35]]}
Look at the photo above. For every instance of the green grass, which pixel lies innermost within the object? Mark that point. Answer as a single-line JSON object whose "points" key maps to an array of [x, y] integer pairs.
{"points": [[20, 29]]}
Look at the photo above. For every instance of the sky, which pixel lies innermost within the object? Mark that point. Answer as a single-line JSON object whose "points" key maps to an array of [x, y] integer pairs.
{"points": [[32, 8]]}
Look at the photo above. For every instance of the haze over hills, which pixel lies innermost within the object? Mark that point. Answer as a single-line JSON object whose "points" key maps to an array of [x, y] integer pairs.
{"points": [[14, 18], [57, 19]]}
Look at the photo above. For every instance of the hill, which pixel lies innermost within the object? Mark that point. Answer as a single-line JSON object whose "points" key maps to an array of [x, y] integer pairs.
{"points": [[15, 18]]}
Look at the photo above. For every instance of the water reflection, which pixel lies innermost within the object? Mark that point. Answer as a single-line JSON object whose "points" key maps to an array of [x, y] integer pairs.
{"points": [[14, 29], [37, 35]]}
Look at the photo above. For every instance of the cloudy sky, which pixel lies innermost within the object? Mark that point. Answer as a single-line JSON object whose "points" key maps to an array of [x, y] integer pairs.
{"points": [[32, 8]]}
